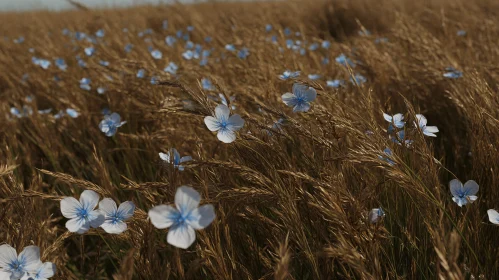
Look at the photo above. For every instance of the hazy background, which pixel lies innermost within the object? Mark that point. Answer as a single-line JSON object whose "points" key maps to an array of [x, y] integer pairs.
{"points": [[19, 5]]}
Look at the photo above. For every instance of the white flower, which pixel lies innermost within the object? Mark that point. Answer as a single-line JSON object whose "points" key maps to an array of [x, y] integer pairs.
{"points": [[28, 261], [183, 220], [81, 213], [225, 125], [115, 217]]}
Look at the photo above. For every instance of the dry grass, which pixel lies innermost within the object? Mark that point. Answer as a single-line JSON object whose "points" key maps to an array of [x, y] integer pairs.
{"points": [[292, 205]]}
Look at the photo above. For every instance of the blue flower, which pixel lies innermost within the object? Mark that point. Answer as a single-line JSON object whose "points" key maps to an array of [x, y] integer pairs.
{"points": [[82, 63], [230, 47], [141, 73], [171, 68], [268, 27], [325, 61], [344, 60], [104, 63], [335, 83], [115, 217], [287, 31], [89, 51], [45, 64], [300, 98], [28, 261], [85, 84], [461, 33], [179, 33], [313, 47], [358, 78], [289, 75], [206, 84], [101, 90], [326, 44], [156, 54], [463, 194], [81, 214], [128, 48], [243, 53], [397, 119], [225, 124], [170, 40], [185, 219], [19, 40], [388, 157], [44, 112], [189, 45], [173, 157], [109, 125], [61, 64], [190, 28], [452, 73], [314, 76], [208, 39], [99, 33], [400, 139], [72, 113], [427, 130], [375, 215], [154, 80]]}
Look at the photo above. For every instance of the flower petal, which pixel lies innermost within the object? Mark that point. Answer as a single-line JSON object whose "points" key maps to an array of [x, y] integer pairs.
{"points": [[181, 236], [165, 157], [108, 206], [422, 121], [96, 218], [187, 199], [302, 107], [235, 123], [212, 123], [185, 159], [126, 209], [226, 135], [471, 187], [176, 156], [222, 112], [299, 90], [201, 217], [46, 270], [456, 187], [493, 216], [163, 216], [432, 129], [30, 257], [78, 225], [89, 199], [70, 207], [7, 255], [310, 94], [289, 99], [114, 227], [387, 117]]}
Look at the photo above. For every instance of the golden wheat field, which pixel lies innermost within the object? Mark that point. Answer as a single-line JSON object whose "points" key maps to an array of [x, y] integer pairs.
{"points": [[329, 173]]}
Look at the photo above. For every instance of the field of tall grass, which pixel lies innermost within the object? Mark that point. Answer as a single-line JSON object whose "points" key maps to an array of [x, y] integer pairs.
{"points": [[334, 189]]}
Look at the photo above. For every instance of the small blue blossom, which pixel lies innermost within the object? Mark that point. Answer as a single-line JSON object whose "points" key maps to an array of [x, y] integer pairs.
{"points": [[100, 33], [156, 54], [452, 73], [190, 28], [109, 125], [344, 60], [388, 156], [183, 220], [45, 64], [173, 157], [287, 31], [225, 124], [463, 194], [289, 75], [335, 83], [375, 215], [300, 98], [206, 84], [45, 111], [313, 47], [268, 28], [85, 84], [89, 51], [141, 73], [326, 44], [171, 68], [208, 39], [72, 113], [81, 214], [189, 45], [170, 40], [397, 119], [314, 77], [461, 33], [19, 40], [154, 80], [179, 33], [230, 47], [104, 63], [243, 53], [115, 217], [427, 130], [61, 64], [128, 48], [101, 90]]}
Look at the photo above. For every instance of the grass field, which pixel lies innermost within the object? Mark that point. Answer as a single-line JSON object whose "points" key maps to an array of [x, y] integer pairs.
{"points": [[293, 193]]}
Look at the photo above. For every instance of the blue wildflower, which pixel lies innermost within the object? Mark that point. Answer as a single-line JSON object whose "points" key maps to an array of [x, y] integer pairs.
{"points": [[463, 194], [427, 130], [173, 157], [85, 84], [141, 73], [314, 76], [225, 124], [115, 217], [171, 68], [89, 51], [16, 266], [170, 40], [452, 73], [81, 214], [109, 125], [156, 54], [289, 75], [335, 83], [300, 98]]}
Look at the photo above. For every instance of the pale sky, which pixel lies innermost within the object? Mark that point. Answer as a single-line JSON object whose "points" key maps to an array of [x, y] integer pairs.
{"points": [[18, 5]]}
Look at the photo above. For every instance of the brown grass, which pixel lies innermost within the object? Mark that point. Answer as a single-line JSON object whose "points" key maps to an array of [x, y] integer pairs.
{"points": [[289, 206]]}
